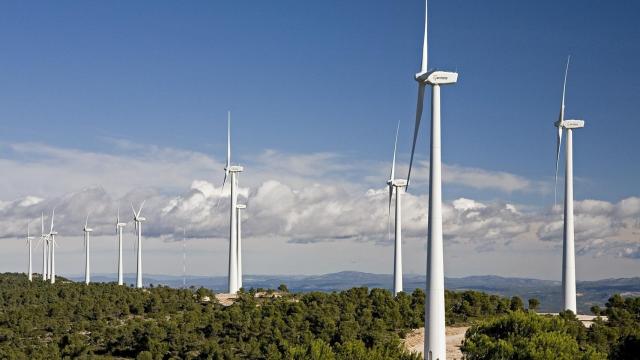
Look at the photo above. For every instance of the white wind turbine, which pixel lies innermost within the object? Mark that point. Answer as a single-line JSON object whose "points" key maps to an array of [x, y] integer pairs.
{"points": [[137, 219], [52, 249], [29, 239], [119, 226], [434, 339], [87, 247], [240, 207], [398, 185], [568, 247], [233, 237]]}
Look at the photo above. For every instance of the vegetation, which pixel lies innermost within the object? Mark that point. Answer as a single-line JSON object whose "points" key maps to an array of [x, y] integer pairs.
{"points": [[526, 335], [71, 320]]}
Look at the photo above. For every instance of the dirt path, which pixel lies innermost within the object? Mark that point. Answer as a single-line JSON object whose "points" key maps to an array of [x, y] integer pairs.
{"points": [[415, 341]]}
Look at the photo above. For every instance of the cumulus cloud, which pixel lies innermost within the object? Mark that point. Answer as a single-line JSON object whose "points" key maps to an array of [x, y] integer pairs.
{"points": [[299, 198]]}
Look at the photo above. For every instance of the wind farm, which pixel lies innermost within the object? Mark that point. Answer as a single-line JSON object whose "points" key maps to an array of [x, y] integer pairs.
{"points": [[319, 243]]}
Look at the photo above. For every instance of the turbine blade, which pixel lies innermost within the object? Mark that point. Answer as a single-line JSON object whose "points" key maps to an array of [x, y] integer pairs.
{"points": [[421, 87], [221, 190], [425, 47], [395, 146], [558, 143], [564, 88], [141, 206], [134, 211], [86, 221], [53, 215], [42, 223]]}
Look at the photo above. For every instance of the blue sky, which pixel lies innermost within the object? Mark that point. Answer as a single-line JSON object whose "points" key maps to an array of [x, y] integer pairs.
{"points": [[330, 77]]}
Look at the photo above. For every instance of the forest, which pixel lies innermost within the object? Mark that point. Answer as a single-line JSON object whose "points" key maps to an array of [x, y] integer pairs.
{"points": [[103, 320]]}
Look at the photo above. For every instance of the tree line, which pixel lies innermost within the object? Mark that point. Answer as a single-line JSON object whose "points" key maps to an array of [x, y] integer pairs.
{"points": [[72, 320]]}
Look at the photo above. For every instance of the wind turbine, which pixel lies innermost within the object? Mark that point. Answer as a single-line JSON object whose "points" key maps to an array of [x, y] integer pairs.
{"points": [[240, 207], [434, 339], [52, 249], [29, 239], [87, 247], [119, 226], [568, 248], [398, 185], [233, 239], [138, 225]]}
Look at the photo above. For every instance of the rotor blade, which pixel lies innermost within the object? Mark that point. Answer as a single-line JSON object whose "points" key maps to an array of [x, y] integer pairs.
{"points": [[134, 211], [558, 143], [425, 48], [228, 140], [395, 146], [221, 190], [86, 221], [42, 223], [53, 215], [564, 88], [141, 206], [421, 87]]}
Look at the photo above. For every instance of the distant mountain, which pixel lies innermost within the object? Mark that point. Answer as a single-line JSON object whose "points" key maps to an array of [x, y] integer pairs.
{"points": [[548, 292]]}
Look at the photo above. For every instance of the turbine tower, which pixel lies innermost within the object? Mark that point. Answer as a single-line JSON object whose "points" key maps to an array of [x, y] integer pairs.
{"points": [[240, 207], [568, 248], [52, 249], [137, 219], [434, 339], [87, 247], [398, 185], [233, 237], [29, 239], [184, 258], [119, 226], [45, 250]]}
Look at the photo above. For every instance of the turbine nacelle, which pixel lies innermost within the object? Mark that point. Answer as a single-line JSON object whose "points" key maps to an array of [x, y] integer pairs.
{"points": [[234, 168], [53, 233], [437, 77], [140, 219], [397, 183], [121, 224], [569, 124], [241, 206], [86, 229]]}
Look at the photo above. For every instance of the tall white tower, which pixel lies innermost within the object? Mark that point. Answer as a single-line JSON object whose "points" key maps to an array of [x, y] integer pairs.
{"points": [[233, 231], [240, 207], [138, 220], [399, 186], [119, 228], [52, 245], [87, 248], [30, 269]]}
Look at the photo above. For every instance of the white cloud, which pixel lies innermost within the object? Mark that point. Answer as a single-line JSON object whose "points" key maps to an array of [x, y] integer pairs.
{"points": [[292, 199]]}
